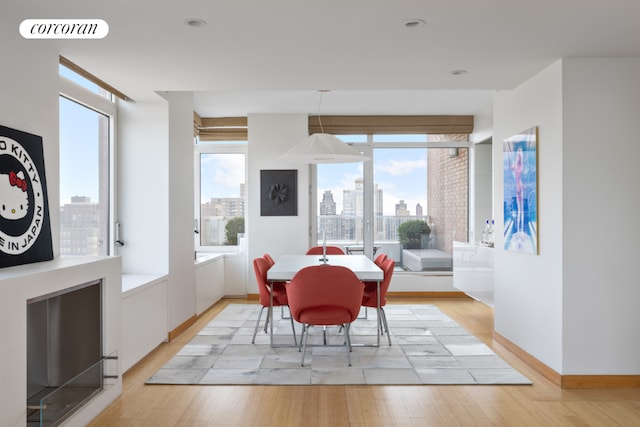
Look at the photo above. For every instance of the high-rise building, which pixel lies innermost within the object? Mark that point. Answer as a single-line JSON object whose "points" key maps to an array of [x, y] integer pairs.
{"points": [[401, 209], [79, 227], [228, 207], [215, 214], [418, 210], [353, 200], [327, 205]]}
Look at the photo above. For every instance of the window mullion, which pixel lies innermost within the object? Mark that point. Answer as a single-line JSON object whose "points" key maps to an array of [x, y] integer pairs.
{"points": [[368, 220]]}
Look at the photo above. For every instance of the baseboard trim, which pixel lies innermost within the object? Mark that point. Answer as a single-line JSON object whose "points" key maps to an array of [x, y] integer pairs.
{"points": [[600, 381], [438, 294], [182, 327], [568, 381], [534, 363]]}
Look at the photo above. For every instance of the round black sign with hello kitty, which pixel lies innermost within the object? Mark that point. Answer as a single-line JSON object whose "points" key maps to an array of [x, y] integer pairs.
{"points": [[25, 231]]}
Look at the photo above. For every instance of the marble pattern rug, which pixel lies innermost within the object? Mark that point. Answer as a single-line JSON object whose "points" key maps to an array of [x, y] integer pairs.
{"points": [[427, 348]]}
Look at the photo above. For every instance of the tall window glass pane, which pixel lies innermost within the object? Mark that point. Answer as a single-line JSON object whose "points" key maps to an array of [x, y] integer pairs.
{"points": [[400, 201], [222, 198], [340, 203], [84, 180]]}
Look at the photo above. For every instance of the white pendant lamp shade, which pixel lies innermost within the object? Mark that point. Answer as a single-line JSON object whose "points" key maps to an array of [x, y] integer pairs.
{"points": [[323, 148]]}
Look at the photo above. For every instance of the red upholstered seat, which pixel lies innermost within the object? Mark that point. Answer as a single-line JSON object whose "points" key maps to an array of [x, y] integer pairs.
{"points": [[324, 315], [260, 267], [325, 295], [331, 250]]}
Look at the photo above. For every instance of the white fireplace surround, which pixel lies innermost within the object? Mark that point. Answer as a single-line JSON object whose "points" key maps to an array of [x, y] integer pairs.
{"points": [[21, 283]]}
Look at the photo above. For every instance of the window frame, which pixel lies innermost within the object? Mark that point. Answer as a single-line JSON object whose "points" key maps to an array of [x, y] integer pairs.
{"points": [[226, 147], [85, 97]]}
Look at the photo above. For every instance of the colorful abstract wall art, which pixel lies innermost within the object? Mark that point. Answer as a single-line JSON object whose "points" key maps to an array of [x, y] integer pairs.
{"points": [[521, 192]]}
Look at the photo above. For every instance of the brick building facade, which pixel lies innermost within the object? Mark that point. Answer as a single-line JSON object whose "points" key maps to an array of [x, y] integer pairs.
{"points": [[448, 201]]}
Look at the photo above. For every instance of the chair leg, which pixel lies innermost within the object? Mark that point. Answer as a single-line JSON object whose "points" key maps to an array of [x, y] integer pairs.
{"points": [[266, 321], [347, 343], [293, 328], [253, 341], [301, 338], [303, 341], [386, 325]]}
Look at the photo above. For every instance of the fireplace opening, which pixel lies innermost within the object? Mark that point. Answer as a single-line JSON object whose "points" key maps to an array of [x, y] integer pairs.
{"points": [[64, 352]]}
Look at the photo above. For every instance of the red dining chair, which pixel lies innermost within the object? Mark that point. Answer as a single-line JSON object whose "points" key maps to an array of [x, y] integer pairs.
{"points": [[380, 259], [269, 259], [370, 296], [260, 267], [325, 295], [331, 250], [276, 285]]}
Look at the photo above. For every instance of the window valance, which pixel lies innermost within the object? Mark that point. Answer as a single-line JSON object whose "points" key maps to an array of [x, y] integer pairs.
{"points": [[220, 128], [235, 128], [355, 125]]}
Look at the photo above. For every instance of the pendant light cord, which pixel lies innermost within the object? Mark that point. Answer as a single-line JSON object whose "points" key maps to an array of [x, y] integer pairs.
{"points": [[320, 103]]}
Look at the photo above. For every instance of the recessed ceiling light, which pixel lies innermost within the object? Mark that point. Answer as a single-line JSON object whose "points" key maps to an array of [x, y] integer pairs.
{"points": [[458, 72], [414, 23], [195, 22]]}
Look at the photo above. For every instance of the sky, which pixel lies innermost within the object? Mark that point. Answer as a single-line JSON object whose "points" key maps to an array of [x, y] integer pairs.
{"points": [[221, 175], [78, 140]]}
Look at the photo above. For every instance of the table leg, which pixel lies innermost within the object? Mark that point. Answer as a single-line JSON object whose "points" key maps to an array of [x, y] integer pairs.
{"points": [[378, 308], [271, 315]]}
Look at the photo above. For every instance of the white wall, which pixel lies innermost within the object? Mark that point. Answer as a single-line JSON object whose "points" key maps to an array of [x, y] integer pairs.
{"points": [[573, 306], [29, 93], [270, 135], [182, 278], [482, 125], [528, 288], [143, 180], [601, 112]]}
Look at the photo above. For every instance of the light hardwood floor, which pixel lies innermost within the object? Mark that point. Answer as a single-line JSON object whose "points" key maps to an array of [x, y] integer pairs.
{"points": [[542, 404]]}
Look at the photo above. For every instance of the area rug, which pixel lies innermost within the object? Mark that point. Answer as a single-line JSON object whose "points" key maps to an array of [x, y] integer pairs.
{"points": [[427, 347]]}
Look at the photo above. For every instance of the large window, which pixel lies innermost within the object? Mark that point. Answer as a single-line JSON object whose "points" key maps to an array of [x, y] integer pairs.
{"points": [[410, 201], [220, 195], [86, 132]]}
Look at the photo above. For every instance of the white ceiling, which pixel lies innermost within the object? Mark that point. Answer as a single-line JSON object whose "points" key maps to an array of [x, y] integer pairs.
{"points": [[271, 56]]}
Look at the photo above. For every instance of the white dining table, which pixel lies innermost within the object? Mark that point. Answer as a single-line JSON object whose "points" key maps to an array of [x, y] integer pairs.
{"points": [[364, 268]]}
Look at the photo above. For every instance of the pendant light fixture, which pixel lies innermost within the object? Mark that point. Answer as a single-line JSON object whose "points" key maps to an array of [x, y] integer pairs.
{"points": [[323, 148]]}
